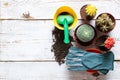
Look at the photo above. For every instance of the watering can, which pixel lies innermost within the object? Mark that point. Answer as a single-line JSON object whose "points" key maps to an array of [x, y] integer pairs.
{"points": [[65, 19]]}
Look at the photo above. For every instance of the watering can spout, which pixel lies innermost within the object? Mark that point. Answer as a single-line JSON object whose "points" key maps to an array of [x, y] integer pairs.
{"points": [[65, 20], [66, 32]]}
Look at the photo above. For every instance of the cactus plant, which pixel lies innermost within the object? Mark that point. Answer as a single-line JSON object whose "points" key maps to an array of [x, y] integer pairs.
{"points": [[88, 12], [85, 34], [105, 23], [105, 42], [104, 28], [91, 10]]}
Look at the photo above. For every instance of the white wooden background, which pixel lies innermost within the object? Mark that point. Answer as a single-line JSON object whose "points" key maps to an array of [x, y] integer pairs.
{"points": [[25, 43]]}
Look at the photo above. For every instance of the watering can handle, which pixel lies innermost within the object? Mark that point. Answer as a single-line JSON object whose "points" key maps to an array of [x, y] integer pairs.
{"points": [[66, 32]]}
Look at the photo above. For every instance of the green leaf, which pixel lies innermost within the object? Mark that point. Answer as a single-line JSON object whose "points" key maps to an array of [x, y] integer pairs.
{"points": [[101, 45]]}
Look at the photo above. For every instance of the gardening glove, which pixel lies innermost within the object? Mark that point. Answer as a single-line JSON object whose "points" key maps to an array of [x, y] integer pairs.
{"points": [[78, 59]]}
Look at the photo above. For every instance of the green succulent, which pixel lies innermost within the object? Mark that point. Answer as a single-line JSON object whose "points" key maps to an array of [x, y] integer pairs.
{"points": [[105, 22]]}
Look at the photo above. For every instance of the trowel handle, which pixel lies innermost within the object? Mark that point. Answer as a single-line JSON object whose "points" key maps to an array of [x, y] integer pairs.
{"points": [[66, 32]]}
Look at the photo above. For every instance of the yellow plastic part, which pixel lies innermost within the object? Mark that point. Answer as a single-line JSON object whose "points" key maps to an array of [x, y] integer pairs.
{"points": [[68, 10]]}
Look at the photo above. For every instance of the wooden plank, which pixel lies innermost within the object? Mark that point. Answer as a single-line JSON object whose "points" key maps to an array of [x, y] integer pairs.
{"points": [[32, 40], [23, 40], [45, 9], [48, 71]]}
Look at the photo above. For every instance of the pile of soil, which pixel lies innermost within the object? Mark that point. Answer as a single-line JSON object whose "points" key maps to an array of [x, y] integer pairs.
{"points": [[59, 48]]}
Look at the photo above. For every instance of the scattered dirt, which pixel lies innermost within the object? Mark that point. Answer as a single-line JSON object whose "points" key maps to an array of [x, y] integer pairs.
{"points": [[6, 4], [59, 48]]}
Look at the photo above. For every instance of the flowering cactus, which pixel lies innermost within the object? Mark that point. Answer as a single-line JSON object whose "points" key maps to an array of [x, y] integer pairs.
{"points": [[109, 43]]}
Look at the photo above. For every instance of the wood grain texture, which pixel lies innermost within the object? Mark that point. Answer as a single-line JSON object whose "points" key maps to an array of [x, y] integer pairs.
{"points": [[32, 40], [25, 41], [48, 71], [45, 9]]}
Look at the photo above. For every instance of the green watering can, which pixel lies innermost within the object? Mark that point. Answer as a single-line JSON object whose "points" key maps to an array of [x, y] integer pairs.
{"points": [[65, 19]]}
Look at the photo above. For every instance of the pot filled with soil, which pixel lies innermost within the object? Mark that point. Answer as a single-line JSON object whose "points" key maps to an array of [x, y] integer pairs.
{"points": [[105, 22], [88, 12], [105, 43]]}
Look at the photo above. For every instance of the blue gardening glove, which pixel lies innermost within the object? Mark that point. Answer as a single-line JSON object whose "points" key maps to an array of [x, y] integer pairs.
{"points": [[78, 59]]}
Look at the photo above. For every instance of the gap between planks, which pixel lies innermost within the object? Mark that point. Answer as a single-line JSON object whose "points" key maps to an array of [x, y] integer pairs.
{"points": [[37, 19], [27, 61], [35, 61]]}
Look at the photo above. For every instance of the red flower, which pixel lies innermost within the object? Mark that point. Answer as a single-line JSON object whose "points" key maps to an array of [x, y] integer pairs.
{"points": [[109, 43]]}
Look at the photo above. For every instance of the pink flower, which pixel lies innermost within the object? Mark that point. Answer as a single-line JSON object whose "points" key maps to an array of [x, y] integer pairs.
{"points": [[109, 43]]}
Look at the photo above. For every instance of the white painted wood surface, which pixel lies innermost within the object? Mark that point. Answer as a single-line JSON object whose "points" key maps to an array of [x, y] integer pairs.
{"points": [[32, 40], [45, 9], [48, 71], [25, 43]]}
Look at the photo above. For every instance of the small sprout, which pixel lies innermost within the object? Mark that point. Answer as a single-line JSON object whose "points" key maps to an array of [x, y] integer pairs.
{"points": [[6, 4], [26, 15]]}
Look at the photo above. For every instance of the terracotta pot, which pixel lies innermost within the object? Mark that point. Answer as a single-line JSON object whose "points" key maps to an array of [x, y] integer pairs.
{"points": [[80, 40], [98, 27], [94, 50]]}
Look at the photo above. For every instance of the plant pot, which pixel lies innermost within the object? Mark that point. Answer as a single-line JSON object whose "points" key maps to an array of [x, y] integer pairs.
{"points": [[100, 41], [85, 34], [105, 24], [94, 50], [84, 15]]}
